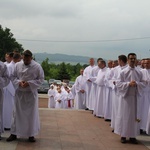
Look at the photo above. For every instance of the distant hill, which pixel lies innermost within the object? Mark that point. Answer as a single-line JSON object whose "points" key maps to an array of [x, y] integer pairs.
{"points": [[58, 58]]}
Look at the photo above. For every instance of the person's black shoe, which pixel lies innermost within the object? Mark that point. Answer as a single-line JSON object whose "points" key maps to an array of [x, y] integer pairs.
{"points": [[32, 139], [99, 117], [123, 140], [112, 130], [141, 131], [12, 137], [133, 140], [108, 120], [86, 109], [7, 129], [0, 138]]}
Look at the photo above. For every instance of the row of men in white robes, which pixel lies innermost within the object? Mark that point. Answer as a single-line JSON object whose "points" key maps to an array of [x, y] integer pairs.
{"points": [[9, 90], [60, 97], [19, 101], [145, 99], [79, 91], [97, 89], [4, 81]]}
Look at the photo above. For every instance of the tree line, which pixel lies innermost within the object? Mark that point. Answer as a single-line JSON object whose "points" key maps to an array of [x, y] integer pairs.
{"points": [[61, 71], [54, 71]]}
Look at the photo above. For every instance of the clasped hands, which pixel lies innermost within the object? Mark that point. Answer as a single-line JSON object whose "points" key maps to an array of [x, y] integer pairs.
{"points": [[138, 120], [132, 83], [89, 80], [59, 101], [23, 84], [82, 91]]}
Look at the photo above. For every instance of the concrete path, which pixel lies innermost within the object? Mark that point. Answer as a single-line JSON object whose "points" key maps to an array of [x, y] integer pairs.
{"points": [[73, 130]]}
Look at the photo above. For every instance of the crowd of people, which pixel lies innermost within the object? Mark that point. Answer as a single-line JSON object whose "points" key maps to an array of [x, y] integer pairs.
{"points": [[60, 96], [20, 76], [118, 92]]}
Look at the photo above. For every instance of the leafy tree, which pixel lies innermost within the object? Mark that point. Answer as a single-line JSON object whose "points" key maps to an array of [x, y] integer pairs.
{"points": [[62, 72], [70, 70], [53, 73], [85, 65], [78, 66], [7, 42], [46, 67]]}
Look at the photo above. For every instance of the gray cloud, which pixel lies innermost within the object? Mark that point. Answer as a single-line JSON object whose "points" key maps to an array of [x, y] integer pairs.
{"points": [[79, 20], [35, 8]]}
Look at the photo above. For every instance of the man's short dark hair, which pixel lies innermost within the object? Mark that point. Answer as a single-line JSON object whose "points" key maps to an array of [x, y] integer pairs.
{"points": [[103, 62], [16, 51], [146, 59], [99, 59], [123, 58], [16, 56], [10, 54], [27, 53], [131, 54]]}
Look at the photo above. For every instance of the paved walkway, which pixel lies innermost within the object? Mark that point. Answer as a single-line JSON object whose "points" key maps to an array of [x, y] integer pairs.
{"points": [[72, 130]]}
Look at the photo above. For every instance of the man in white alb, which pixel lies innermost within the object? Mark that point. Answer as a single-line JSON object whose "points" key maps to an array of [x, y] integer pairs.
{"points": [[87, 75], [4, 81], [27, 77], [130, 86], [80, 85], [93, 77], [108, 101], [145, 101], [122, 61], [9, 93], [100, 90], [51, 94]]}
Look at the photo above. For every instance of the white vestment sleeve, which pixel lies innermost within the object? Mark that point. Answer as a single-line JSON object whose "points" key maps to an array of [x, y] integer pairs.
{"points": [[140, 86], [15, 80], [34, 84], [122, 86], [4, 77], [77, 86]]}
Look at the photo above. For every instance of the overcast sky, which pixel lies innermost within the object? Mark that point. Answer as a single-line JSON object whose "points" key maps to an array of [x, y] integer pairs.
{"points": [[79, 20]]}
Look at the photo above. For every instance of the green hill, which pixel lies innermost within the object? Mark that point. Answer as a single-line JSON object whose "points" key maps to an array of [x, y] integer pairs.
{"points": [[58, 58]]}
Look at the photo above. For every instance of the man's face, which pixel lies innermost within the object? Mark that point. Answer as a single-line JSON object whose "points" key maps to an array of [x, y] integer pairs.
{"points": [[8, 58], [59, 90], [147, 64], [114, 64], [27, 60], [81, 71], [91, 61], [101, 65], [132, 60], [143, 63], [18, 60], [109, 64]]}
